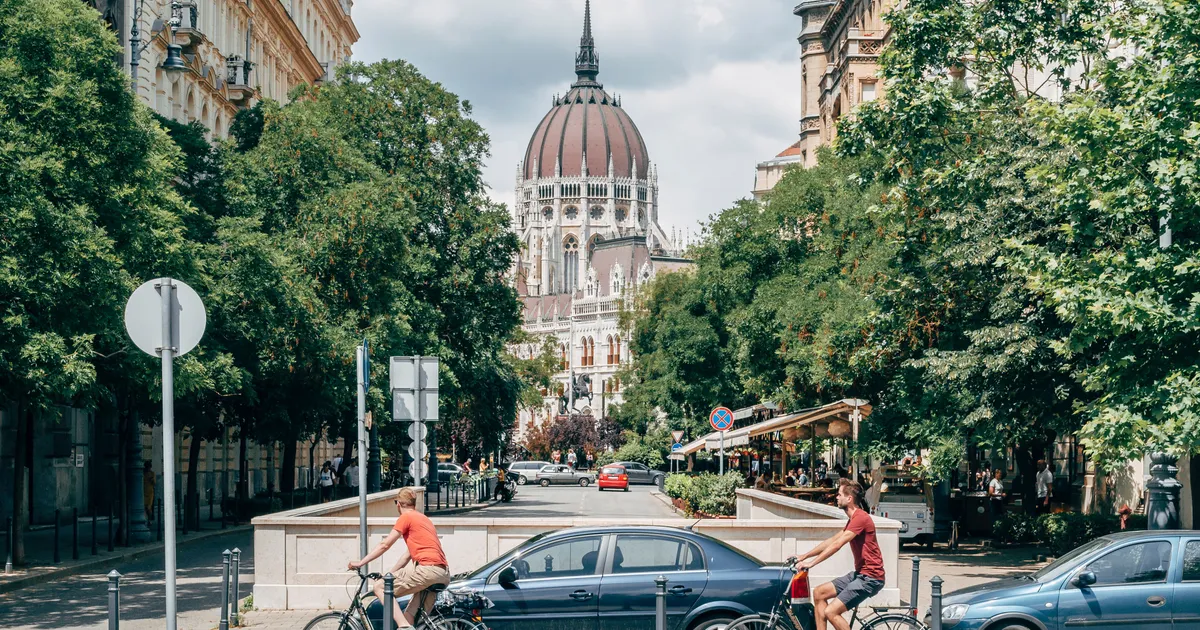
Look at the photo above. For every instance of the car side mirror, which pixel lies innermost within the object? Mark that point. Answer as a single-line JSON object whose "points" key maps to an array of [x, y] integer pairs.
{"points": [[1085, 579], [507, 577]]}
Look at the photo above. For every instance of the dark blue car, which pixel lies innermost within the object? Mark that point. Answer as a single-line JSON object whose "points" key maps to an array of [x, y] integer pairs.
{"points": [[603, 579], [1130, 580]]}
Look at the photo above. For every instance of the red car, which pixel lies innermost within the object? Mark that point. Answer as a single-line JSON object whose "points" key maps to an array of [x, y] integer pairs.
{"points": [[613, 477]]}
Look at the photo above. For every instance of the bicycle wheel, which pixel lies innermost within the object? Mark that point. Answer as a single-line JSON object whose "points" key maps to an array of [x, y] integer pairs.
{"points": [[333, 621], [751, 622], [894, 621]]}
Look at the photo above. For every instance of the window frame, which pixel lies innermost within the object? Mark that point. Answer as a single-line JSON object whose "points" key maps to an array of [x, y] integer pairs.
{"points": [[597, 572], [610, 555], [1166, 576], [1184, 544]]}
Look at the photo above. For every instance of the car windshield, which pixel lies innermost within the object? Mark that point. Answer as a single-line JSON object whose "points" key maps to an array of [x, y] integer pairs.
{"points": [[487, 568], [1067, 562], [616, 470]]}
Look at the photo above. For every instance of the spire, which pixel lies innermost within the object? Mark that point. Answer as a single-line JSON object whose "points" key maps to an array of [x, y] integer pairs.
{"points": [[587, 62]]}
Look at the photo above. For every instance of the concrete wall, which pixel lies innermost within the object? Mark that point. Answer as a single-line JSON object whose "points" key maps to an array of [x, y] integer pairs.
{"points": [[300, 555]]}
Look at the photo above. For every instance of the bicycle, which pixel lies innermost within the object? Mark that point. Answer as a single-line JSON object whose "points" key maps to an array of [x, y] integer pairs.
{"points": [[794, 610], [355, 616]]}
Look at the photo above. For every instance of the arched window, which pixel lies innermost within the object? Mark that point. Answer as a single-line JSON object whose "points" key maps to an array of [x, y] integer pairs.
{"points": [[570, 263], [571, 213], [548, 213], [597, 213], [617, 354], [562, 349], [591, 351], [610, 350]]}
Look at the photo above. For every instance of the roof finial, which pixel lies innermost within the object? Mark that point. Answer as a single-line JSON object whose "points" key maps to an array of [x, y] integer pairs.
{"points": [[587, 62]]}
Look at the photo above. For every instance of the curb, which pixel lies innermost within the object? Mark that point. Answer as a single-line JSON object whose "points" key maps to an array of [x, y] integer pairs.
{"points": [[667, 502], [461, 510], [87, 565]]}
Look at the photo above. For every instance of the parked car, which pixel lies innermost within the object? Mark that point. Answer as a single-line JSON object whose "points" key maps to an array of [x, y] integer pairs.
{"points": [[613, 476], [559, 474], [447, 471], [641, 473], [600, 578], [1135, 579], [524, 472]]}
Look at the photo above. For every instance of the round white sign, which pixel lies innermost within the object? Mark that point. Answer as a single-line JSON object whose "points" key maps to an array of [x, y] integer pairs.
{"points": [[418, 431], [418, 450], [144, 317], [419, 470]]}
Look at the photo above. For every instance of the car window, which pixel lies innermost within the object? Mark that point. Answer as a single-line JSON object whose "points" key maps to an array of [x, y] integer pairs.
{"points": [[1067, 562], [1135, 564], [1191, 561], [614, 470], [644, 554], [569, 558], [547, 469]]}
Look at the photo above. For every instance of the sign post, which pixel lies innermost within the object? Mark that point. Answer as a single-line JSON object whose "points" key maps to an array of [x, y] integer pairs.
{"points": [[721, 419], [414, 382], [165, 318], [676, 446], [362, 358]]}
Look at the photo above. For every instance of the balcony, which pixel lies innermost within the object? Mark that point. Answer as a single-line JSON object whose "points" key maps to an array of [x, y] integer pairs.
{"points": [[861, 44], [237, 79], [188, 33]]}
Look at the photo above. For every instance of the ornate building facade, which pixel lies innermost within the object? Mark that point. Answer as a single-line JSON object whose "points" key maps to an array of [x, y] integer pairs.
{"points": [[586, 212], [235, 51]]}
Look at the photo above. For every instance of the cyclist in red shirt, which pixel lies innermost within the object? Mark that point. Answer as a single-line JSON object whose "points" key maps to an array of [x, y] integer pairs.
{"points": [[866, 579]]}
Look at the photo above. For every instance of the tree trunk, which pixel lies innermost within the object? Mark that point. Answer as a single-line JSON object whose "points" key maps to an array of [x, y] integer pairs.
{"points": [[348, 444], [287, 476], [20, 508], [193, 485], [128, 423]]}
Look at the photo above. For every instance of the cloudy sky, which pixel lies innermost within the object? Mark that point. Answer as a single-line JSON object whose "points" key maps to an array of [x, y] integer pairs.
{"points": [[713, 85]]}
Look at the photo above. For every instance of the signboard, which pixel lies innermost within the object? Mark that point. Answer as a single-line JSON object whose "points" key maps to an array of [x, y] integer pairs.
{"points": [[676, 447], [721, 419], [414, 382], [677, 436]]}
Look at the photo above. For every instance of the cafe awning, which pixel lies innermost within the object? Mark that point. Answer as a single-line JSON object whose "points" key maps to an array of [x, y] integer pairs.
{"points": [[841, 410]]}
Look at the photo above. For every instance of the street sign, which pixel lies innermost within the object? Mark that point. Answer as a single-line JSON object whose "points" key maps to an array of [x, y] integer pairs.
{"points": [[417, 450], [721, 419], [165, 318], [676, 447], [677, 436], [418, 469], [414, 382], [144, 317], [418, 431]]}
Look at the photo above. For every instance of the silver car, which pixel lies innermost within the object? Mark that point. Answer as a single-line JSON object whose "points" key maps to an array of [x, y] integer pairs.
{"points": [[524, 472], [560, 474]]}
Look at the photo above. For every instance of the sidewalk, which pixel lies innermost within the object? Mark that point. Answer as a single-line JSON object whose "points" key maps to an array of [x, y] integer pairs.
{"points": [[969, 565]]}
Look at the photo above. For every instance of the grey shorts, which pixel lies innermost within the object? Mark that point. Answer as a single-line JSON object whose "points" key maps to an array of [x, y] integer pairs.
{"points": [[854, 588]]}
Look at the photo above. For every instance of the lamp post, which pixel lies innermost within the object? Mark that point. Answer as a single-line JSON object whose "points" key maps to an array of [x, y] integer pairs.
{"points": [[174, 60]]}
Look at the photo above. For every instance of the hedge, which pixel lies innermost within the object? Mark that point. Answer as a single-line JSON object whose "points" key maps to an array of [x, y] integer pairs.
{"points": [[706, 493], [1059, 533]]}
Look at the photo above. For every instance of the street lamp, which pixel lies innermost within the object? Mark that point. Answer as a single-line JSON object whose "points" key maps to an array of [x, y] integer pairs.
{"points": [[174, 60]]}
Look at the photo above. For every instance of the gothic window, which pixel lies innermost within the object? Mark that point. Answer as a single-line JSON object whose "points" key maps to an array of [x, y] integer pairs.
{"points": [[646, 273], [641, 216], [611, 347], [571, 213], [617, 352], [597, 213], [548, 213], [621, 214], [570, 263], [615, 280], [562, 349], [591, 288]]}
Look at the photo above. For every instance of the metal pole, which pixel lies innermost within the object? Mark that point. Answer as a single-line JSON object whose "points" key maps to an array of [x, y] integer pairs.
{"points": [[660, 603], [722, 452], [74, 533], [237, 562], [388, 615], [223, 623], [362, 462], [57, 523], [167, 290], [8, 568], [935, 606], [916, 584], [114, 600]]}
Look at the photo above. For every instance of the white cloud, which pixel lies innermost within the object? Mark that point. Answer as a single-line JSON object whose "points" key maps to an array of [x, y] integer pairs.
{"points": [[713, 85]]}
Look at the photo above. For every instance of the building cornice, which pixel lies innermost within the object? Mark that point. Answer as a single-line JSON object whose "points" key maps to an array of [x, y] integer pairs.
{"points": [[809, 5], [334, 7], [305, 61]]}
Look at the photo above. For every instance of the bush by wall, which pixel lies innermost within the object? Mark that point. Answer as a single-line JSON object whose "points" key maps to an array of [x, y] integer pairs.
{"points": [[1058, 533], [706, 493]]}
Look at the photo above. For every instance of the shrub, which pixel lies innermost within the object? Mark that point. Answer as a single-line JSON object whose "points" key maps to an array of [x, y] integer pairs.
{"points": [[677, 485], [1059, 533], [706, 492], [1017, 528]]}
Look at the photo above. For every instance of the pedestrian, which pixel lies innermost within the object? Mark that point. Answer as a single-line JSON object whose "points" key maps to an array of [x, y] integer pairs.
{"points": [[326, 482], [351, 476], [571, 459], [590, 459], [337, 465], [556, 456], [148, 490], [467, 467], [1045, 487], [996, 494]]}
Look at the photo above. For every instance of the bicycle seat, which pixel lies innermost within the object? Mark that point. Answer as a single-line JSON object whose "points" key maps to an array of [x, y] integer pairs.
{"points": [[437, 588]]}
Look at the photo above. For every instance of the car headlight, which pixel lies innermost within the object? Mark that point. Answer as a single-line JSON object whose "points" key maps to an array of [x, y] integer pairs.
{"points": [[954, 612]]}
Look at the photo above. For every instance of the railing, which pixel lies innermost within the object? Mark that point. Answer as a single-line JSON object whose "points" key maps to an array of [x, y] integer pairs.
{"points": [[457, 493]]}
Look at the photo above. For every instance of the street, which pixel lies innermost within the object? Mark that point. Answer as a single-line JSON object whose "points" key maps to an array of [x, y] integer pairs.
{"points": [[82, 601], [573, 501]]}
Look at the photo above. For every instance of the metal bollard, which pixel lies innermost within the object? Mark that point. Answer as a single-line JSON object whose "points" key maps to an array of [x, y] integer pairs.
{"points": [[57, 523], [114, 600], [388, 613], [223, 624], [95, 551], [110, 526], [74, 533], [935, 606], [8, 568], [237, 561], [916, 585], [660, 603]]}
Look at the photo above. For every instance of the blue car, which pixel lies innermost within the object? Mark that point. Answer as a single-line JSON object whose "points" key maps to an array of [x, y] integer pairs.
{"points": [[603, 579], [1130, 580]]}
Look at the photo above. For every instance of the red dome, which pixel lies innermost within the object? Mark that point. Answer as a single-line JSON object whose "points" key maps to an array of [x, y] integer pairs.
{"points": [[587, 121]]}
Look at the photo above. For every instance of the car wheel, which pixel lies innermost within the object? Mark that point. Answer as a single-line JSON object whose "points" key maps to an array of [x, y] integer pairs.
{"points": [[583, 483], [626, 488], [1009, 625], [521, 480], [713, 623], [657, 480], [545, 483]]}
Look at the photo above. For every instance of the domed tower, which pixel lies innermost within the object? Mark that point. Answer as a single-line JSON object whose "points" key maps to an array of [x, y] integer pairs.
{"points": [[586, 178]]}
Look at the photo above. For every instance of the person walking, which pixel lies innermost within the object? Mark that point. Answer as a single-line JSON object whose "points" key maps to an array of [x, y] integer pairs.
{"points": [[866, 580], [996, 494], [351, 476], [556, 456], [1045, 487], [326, 482], [590, 459], [148, 481], [572, 460]]}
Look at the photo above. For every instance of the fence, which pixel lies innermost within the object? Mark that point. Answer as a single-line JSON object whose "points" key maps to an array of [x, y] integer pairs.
{"points": [[230, 596], [457, 493]]}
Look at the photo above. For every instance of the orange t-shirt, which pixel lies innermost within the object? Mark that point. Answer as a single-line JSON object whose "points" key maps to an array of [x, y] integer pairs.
{"points": [[421, 538]]}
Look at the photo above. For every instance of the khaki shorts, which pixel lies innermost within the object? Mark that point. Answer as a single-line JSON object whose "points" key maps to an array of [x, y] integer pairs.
{"points": [[414, 578]]}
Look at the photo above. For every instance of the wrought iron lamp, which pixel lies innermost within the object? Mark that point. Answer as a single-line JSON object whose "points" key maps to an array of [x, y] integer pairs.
{"points": [[174, 60]]}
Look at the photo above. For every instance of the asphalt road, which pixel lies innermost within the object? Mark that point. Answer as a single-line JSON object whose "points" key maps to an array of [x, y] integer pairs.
{"points": [[573, 501], [82, 601]]}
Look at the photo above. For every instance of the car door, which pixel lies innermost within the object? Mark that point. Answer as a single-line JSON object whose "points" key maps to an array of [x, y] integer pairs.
{"points": [[557, 587], [627, 590], [564, 475], [1131, 589], [1186, 602]]}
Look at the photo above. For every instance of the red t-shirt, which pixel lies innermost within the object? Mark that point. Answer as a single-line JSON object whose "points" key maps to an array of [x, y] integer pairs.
{"points": [[868, 560], [421, 538]]}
